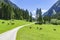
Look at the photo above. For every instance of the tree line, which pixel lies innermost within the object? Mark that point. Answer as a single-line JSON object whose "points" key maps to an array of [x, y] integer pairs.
{"points": [[52, 19], [8, 12]]}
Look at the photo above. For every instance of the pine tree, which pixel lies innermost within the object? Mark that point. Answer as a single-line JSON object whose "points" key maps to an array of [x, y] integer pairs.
{"points": [[30, 19], [27, 15], [39, 16], [8, 12]]}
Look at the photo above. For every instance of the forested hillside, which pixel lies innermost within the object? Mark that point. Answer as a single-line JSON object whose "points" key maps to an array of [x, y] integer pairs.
{"points": [[8, 11]]}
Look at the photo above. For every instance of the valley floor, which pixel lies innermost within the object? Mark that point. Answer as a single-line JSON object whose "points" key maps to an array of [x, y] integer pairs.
{"points": [[39, 32], [6, 25], [29, 32], [11, 35]]}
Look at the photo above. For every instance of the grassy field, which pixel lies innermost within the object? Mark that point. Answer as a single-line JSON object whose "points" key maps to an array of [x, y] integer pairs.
{"points": [[6, 25], [39, 32]]}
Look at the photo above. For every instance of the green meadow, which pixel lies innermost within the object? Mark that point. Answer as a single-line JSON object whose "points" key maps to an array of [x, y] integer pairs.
{"points": [[39, 32], [6, 25]]}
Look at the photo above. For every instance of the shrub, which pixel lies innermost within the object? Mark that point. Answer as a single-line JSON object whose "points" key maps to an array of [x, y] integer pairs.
{"points": [[8, 23], [58, 22], [30, 27], [54, 21], [37, 27], [40, 28], [12, 23], [38, 23], [12, 20], [3, 22], [54, 29]]}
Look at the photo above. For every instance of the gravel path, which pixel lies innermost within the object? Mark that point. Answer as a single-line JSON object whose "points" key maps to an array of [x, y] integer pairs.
{"points": [[11, 34]]}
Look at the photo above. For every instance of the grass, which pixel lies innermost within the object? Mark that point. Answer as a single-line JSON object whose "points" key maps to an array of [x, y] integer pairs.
{"points": [[39, 32], [6, 25]]}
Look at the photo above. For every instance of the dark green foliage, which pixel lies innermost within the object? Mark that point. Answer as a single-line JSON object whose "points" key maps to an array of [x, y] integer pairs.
{"points": [[54, 23], [7, 12], [56, 16], [12, 20], [3, 22], [39, 16], [12, 23], [8, 23], [47, 18], [30, 27], [36, 23], [30, 19], [37, 28], [27, 15], [40, 28], [54, 29], [40, 23]]}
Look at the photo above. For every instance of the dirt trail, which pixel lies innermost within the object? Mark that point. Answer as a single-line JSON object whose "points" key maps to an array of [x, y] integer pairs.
{"points": [[11, 34]]}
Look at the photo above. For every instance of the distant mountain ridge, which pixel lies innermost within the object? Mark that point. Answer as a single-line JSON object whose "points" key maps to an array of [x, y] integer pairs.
{"points": [[9, 2], [55, 7]]}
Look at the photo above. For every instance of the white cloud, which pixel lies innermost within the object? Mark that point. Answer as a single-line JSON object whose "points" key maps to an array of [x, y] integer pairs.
{"points": [[34, 12], [43, 11], [33, 16]]}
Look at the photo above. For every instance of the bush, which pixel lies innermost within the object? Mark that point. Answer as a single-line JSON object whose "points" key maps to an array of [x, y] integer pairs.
{"points": [[37, 27], [54, 21], [58, 22], [40, 28], [12, 23], [3, 22], [30, 27], [38, 23], [54, 29], [12, 20], [8, 23]]}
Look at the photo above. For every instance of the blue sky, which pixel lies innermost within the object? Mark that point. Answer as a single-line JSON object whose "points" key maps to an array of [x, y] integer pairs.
{"points": [[31, 5]]}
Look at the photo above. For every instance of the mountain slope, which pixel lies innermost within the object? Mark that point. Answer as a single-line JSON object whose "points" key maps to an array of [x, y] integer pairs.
{"points": [[55, 7], [9, 2]]}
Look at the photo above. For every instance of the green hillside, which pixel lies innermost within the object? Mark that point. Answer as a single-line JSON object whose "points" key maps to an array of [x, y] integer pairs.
{"points": [[9, 10]]}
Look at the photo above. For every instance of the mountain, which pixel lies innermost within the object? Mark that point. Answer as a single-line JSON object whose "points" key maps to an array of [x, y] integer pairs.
{"points": [[9, 2], [55, 7]]}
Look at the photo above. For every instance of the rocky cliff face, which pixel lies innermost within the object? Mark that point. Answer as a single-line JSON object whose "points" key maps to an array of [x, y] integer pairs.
{"points": [[55, 7]]}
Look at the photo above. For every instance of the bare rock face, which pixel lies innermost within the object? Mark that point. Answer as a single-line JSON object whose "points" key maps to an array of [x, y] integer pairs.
{"points": [[55, 7]]}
